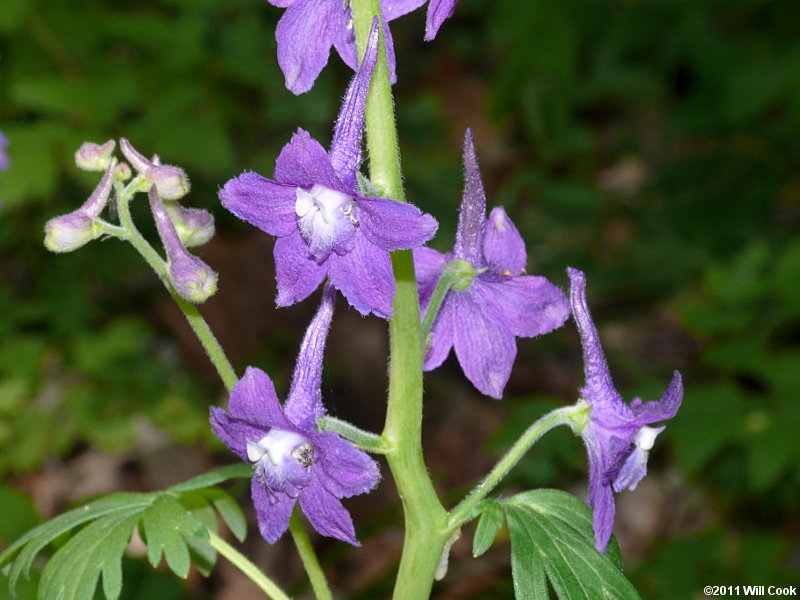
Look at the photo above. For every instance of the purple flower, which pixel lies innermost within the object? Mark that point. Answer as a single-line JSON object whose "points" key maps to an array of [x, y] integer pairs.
{"points": [[324, 225], [492, 302], [617, 436], [309, 28], [293, 459], [3, 152]]}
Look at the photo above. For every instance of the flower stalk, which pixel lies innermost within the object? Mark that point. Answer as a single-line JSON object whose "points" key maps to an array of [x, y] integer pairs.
{"points": [[425, 517]]}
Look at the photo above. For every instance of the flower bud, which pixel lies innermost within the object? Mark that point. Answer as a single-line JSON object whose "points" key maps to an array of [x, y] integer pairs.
{"points": [[123, 172], [172, 182], [69, 232], [92, 157], [195, 226], [192, 279]]}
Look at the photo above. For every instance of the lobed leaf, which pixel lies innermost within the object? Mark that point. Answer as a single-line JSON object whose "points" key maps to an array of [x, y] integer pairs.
{"points": [[206, 480], [551, 536], [490, 522]]}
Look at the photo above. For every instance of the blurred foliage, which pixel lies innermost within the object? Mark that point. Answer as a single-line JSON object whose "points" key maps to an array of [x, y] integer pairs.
{"points": [[654, 143]]}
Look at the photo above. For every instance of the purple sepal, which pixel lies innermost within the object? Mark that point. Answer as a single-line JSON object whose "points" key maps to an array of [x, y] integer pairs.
{"points": [[482, 319], [617, 437], [438, 12], [4, 160], [293, 459]]}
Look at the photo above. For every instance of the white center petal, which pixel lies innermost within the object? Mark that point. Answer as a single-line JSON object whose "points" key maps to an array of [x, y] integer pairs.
{"points": [[325, 218], [646, 437], [276, 445]]}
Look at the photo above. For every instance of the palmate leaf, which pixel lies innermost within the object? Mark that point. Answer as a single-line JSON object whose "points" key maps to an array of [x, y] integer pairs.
{"points": [[490, 522], [551, 538], [175, 523]]}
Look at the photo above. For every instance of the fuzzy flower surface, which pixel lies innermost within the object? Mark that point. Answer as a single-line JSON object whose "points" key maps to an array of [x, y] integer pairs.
{"points": [[295, 461], [323, 222], [618, 436], [494, 302], [309, 28]]}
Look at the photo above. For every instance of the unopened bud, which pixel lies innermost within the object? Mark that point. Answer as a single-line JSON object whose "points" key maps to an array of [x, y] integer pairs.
{"points": [[123, 172], [195, 226], [137, 160], [69, 232], [93, 157], [172, 182], [192, 278]]}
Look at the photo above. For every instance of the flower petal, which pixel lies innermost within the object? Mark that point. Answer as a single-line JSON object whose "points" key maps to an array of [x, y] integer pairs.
{"points": [[428, 265], [343, 469], [390, 58], [503, 247], [393, 225], [364, 276], [348, 133], [303, 162], [304, 36], [393, 9], [273, 510], [485, 347], [261, 202], [233, 432], [296, 272], [442, 335], [326, 513], [531, 305], [344, 39], [473, 209], [304, 404], [254, 399], [438, 11], [601, 497], [666, 408]]}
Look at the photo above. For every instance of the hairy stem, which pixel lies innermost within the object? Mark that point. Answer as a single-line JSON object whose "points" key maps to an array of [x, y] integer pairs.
{"points": [[198, 324], [363, 439], [574, 416], [315, 574], [241, 562], [425, 517]]}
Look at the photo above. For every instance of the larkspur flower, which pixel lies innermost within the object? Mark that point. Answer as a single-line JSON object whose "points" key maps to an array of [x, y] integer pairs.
{"points": [[293, 459], [324, 225], [493, 302], [3, 152], [617, 437], [309, 28]]}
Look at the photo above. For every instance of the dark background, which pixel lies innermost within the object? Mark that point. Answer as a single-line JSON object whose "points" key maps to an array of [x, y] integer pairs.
{"points": [[653, 143]]}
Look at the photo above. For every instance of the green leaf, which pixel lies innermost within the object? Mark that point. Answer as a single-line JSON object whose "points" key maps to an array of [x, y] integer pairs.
{"points": [[491, 521], [551, 535], [165, 525], [174, 523], [237, 471]]}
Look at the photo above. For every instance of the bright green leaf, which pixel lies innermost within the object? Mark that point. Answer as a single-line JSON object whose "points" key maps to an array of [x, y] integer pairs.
{"points": [[490, 522]]}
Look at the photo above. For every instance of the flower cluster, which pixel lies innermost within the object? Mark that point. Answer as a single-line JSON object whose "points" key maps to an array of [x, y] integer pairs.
{"points": [[491, 300], [617, 436], [325, 225], [309, 28], [293, 459], [178, 227]]}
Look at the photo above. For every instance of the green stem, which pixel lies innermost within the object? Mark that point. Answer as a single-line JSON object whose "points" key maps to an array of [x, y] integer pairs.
{"points": [[574, 416], [425, 517], [198, 324], [248, 568], [309, 558], [363, 439]]}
